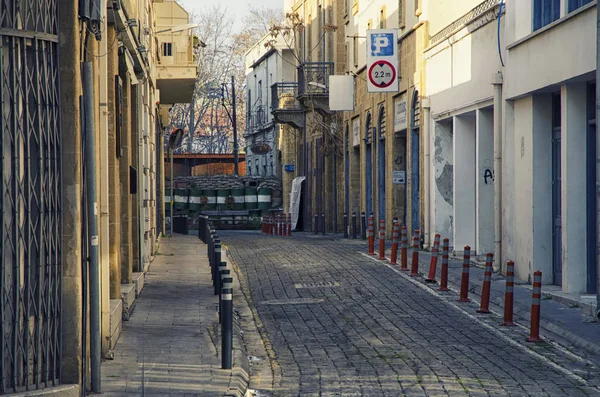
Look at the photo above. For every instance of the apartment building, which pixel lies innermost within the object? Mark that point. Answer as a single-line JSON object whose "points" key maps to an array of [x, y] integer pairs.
{"points": [[550, 148], [267, 62], [314, 28], [383, 135], [463, 61]]}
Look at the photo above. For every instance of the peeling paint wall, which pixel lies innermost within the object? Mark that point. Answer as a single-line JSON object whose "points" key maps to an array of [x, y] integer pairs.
{"points": [[443, 169]]}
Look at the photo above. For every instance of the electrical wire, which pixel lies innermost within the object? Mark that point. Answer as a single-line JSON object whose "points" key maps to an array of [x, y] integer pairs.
{"points": [[499, 15]]}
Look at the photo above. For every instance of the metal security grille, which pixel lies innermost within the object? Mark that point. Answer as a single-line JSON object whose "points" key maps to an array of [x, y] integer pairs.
{"points": [[30, 223]]}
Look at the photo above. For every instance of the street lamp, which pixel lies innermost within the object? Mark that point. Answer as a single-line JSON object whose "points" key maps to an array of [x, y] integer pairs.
{"points": [[174, 141]]}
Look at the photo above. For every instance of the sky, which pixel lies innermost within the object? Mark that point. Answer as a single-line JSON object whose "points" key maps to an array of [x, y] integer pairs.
{"points": [[238, 7]]}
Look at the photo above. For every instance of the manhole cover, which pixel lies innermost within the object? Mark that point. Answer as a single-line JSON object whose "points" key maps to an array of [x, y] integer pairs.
{"points": [[298, 301], [327, 284]]}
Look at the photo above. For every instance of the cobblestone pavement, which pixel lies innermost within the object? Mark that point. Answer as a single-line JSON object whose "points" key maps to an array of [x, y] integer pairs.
{"points": [[338, 323]]}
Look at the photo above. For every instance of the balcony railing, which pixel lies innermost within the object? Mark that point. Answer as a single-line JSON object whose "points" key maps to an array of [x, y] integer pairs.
{"points": [[284, 97], [257, 118], [313, 78]]}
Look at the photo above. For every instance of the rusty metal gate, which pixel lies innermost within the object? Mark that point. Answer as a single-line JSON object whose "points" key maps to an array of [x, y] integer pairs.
{"points": [[30, 233]]}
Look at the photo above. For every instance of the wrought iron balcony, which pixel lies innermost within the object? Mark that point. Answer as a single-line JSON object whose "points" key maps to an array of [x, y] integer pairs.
{"points": [[285, 107], [257, 119], [313, 78]]}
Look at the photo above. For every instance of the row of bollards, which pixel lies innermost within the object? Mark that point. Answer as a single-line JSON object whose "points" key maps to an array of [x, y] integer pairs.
{"points": [[223, 287], [464, 285], [277, 225], [351, 225]]}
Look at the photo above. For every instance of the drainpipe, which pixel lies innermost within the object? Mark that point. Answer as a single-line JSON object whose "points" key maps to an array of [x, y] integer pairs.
{"points": [[497, 81], [92, 218], [426, 126], [597, 153]]}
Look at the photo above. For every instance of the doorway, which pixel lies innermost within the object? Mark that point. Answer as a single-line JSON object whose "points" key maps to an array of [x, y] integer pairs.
{"points": [[381, 165], [369, 167], [414, 163], [556, 191]]}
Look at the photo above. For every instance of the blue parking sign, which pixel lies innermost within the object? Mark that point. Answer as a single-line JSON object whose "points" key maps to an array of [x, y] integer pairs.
{"points": [[382, 44]]}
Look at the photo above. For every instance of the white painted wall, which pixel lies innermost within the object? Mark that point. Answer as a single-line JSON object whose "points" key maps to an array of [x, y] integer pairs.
{"points": [[442, 215], [458, 70], [574, 214], [485, 182], [531, 65], [441, 13], [464, 181]]}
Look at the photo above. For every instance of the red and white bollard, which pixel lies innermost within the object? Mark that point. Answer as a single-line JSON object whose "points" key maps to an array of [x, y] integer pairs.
{"points": [[404, 249], [394, 258], [464, 282], [381, 240], [536, 301], [487, 285], [444, 279], [434, 258], [414, 269], [509, 295], [289, 225], [371, 236]]}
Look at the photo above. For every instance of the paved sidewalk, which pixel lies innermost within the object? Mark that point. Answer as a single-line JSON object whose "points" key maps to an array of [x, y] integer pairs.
{"points": [[339, 323], [171, 344]]}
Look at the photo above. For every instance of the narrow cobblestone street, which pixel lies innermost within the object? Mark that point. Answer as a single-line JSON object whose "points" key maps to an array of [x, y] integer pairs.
{"points": [[338, 323]]}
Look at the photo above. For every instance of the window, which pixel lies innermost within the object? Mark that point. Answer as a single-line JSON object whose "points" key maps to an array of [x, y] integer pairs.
{"points": [[346, 57], [259, 92], [382, 18], [575, 4], [545, 12], [401, 21], [355, 51], [168, 49]]}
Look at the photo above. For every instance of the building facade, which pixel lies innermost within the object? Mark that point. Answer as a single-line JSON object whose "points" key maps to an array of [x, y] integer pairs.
{"points": [[462, 63], [383, 135], [267, 62], [549, 150], [94, 184], [313, 146]]}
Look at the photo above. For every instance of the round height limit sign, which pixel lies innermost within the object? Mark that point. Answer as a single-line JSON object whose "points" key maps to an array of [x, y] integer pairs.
{"points": [[382, 74]]}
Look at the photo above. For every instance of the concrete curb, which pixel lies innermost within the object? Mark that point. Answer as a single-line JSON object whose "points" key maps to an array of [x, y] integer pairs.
{"points": [[57, 391]]}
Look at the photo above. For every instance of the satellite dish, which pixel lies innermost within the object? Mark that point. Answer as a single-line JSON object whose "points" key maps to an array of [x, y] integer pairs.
{"points": [[175, 138]]}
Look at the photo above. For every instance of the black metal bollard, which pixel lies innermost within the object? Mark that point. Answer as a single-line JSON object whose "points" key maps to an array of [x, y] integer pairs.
{"points": [[211, 248], [215, 265], [316, 224], [226, 282], [346, 225], [354, 224], [221, 268], [323, 224], [226, 328], [363, 225]]}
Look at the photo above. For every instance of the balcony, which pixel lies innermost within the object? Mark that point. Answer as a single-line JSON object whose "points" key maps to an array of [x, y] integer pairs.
{"points": [[257, 120], [286, 109], [176, 69], [313, 85]]}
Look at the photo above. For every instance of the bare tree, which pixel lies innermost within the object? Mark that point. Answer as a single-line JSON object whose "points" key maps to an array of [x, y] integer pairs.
{"points": [[222, 56]]}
